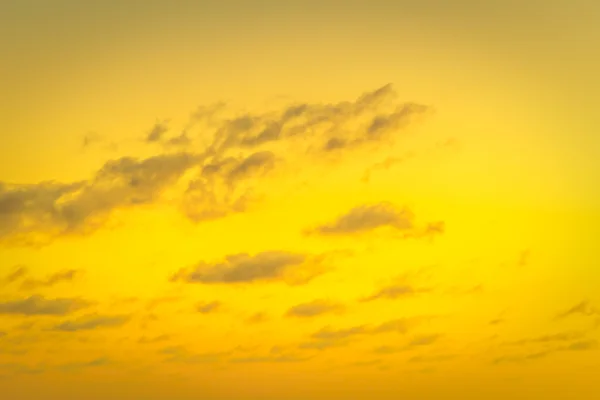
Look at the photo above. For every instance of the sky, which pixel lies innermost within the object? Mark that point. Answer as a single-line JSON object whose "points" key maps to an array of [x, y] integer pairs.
{"points": [[294, 200]]}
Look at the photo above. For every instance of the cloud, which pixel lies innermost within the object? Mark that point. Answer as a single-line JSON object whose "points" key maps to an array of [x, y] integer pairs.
{"points": [[324, 121], [395, 291], [224, 186], [207, 308], [229, 164], [18, 272], [367, 218], [387, 164], [328, 337], [269, 359], [39, 305], [314, 308], [35, 213], [244, 268], [157, 132], [179, 354], [424, 340], [58, 277], [583, 308], [370, 217], [91, 321], [257, 318], [156, 339], [558, 337], [579, 345], [432, 359], [76, 366]]}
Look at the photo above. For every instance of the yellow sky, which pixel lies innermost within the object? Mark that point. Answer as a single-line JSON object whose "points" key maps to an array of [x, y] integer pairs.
{"points": [[292, 200]]}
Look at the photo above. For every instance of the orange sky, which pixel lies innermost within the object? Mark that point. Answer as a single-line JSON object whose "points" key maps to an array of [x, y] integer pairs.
{"points": [[291, 200]]}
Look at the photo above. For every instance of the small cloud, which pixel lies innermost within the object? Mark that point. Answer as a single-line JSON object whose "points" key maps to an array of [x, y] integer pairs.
{"points": [[156, 339], [181, 140], [39, 305], [207, 308], [18, 272], [583, 308], [269, 359], [92, 321], [62, 276], [97, 362], [396, 291], [367, 218], [244, 268], [179, 354], [257, 318], [424, 340], [336, 334], [432, 359], [559, 337], [386, 164], [314, 308], [157, 132], [582, 345]]}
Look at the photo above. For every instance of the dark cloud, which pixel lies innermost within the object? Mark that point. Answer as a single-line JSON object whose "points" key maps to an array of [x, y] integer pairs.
{"points": [[385, 123], [328, 333], [222, 186], [58, 277], [39, 305], [584, 308], [207, 308], [396, 291], [37, 213], [52, 209], [92, 321], [244, 268], [400, 325], [314, 308], [367, 218], [182, 140], [157, 132], [20, 271]]}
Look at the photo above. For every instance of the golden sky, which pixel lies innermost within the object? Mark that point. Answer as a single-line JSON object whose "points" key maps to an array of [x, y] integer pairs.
{"points": [[235, 200]]}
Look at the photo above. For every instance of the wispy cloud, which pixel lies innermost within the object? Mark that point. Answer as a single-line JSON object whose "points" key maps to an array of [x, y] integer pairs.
{"points": [[91, 321], [578, 345], [210, 307], [370, 217], [157, 132], [395, 291], [245, 268], [53, 279], [39, 305], [584, 308], [314, 308], [19, 272], [228, 166], [33, 214]]}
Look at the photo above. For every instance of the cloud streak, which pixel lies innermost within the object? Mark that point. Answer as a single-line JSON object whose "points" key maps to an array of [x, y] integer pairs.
{"points": [[244, 268], [39, 305]]}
